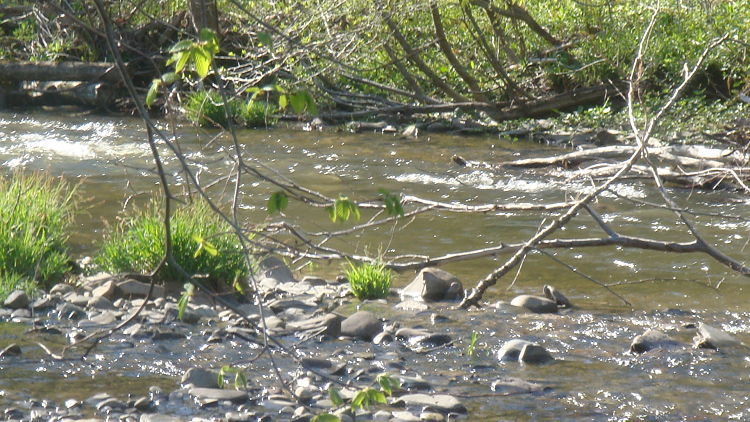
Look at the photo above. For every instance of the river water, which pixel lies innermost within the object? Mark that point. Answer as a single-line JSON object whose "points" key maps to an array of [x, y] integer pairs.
{"points": [[596, 377]]}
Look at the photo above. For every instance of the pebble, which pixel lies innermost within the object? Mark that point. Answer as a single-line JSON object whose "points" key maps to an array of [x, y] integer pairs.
{"points": [[523, 351], [200, 378], [649, 340]]}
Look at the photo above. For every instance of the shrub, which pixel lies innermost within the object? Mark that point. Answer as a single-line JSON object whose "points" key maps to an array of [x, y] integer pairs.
{"points": [[201, 244], [35, 216], [259, 114], [206, 108], [369, 281]]}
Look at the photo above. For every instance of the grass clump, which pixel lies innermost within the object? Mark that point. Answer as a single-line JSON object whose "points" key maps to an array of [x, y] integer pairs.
{"points": [[36, 213], [369, 281], [201, 244], [206, 108]]}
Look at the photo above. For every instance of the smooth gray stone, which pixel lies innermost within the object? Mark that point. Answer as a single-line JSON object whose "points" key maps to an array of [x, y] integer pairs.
{"points": [[362, 324], [21, 313], [536, 304], [107, 290], [200, 378], [135, 289], [709, 337], [104, 318], [77, 299], [516, 385], [100, 302], [402, 416], [412, 305], [218, 394], [441, 402], [17, 299], [523, 351], [70, 311], [45, 302], [272, 267], [432, 285], [61, 289], [651, 339], [112, 403]]}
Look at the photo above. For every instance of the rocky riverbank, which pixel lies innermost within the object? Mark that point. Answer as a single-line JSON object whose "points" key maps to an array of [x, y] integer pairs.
{"points": [[537, 355]]}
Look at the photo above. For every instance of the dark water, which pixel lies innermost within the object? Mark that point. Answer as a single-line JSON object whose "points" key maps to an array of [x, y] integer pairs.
{"points": [[596, 379]]}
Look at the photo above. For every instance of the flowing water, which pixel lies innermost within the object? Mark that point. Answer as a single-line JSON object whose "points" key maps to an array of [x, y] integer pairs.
{"points": [[596, 377]]}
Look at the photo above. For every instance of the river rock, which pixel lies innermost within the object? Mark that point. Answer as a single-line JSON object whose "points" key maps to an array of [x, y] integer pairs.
{"points": [[70, 311], [328, 324], [112, 403], [403, 416], [709, 337], [412, 305], [17, 299], [441, 402], [12, 350], [104, 318], [155, 417], [651, 339], [434, 284], [272, 267], [200, 378], [131, 289], [515, 386], [61, 289], [556, 296], [100, 302], [362, 324], [106, 290], [219, 394], [535, 304], [523, 351]]}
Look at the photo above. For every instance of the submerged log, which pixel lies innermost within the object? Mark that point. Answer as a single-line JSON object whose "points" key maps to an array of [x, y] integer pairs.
{"points": [[65, 71], [59, 93]]}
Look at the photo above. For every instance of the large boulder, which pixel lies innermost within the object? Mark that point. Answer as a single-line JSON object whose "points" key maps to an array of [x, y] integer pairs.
{"points": [[434, 284], [362, 324]]}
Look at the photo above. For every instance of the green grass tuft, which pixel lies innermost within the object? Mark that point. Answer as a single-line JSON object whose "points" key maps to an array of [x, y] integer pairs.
{"points": [[201, 244], [36, 213], [369, 281], [205, 108]]}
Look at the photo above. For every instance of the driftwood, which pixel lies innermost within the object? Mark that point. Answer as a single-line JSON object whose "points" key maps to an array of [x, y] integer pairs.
{"points": [[64, 71]]}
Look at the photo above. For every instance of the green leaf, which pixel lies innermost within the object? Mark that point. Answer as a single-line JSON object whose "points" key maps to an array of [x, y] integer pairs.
{"points": [[393, 206], [325, 417], [282, 102], [240, 380], [277, 202], [153, 90], [310, 103], [181, 46], [331, 212], [335, 396], [360, 400], [298, 102], [187, 293], [182, 59], [265, 39], [375, 396], [169, 78], [202, 62]]}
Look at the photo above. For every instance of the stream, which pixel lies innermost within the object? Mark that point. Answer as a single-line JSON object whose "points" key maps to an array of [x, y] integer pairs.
{"points": [[594, 376]]}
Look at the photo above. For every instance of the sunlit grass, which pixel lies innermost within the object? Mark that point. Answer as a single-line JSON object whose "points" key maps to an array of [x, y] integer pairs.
{"points": [[369, 281]]}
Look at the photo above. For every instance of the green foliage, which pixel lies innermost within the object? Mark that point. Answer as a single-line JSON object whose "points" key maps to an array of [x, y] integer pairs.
{"points": [[335, 396], [258, 114], [388, 383], [137, 245], [342, 209], [277, 202], [369, 281], [187, 293], [393, 206], [471, 350], [366, 398], [325, 417], [36, 213], [199, 54], [206, 108], [240, 380]]}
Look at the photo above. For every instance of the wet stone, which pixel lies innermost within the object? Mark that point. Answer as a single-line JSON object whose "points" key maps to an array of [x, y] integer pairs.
{"points": [[434, 284], [515, 385], [523, 351], [535, 304], [70, 311], [44, 303], [428, 416], [143, 404], [382, 416], [651, 339], [135, 289], [241, 416], [200, 378], [72, 404], [61, 289], [442, 402], [106, 290], [362, 324], [709, 337], [21, 313], [100, 302], [402, 416], [412, 305], [111, 403], [233, 396], [11, 350], [76, 299], [16, 300], [104, 318]]}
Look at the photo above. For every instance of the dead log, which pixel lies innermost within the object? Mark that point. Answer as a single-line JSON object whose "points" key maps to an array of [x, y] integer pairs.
{"points": [[64, 71]]}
